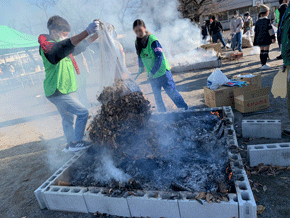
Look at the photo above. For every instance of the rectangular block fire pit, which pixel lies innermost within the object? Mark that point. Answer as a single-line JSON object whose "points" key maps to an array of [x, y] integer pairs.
{"points": [[154, 203], [183, 67]]}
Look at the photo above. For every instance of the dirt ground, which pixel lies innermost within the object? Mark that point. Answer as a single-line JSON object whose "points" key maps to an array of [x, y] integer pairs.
{"points": [[31, 138]]}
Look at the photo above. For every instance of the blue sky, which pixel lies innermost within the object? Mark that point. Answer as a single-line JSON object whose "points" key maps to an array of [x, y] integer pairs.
{"points": [[19, 14]]}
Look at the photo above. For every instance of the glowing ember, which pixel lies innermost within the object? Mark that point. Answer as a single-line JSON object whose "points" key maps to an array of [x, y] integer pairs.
{"points": [[215, 113], [230, 175]]}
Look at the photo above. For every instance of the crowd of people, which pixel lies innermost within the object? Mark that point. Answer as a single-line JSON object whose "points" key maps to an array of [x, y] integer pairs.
{"points": [[238, 26], [264, 33], [6, 71]]}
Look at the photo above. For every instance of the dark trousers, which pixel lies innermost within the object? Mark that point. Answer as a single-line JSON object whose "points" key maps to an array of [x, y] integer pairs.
{"points": [[219, 36], [166, 81]]}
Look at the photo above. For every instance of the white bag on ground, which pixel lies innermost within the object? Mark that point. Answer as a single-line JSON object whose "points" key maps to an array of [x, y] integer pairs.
{"points": [[246, 40], [279, 86], [216, 79]]}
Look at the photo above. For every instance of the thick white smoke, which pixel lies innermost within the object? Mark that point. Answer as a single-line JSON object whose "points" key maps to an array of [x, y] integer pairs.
{"points": [[107, 171], [179, 37]]}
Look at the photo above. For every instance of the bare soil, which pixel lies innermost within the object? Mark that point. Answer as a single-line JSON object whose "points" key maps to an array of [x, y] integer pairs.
{"points": [[31, 137]]}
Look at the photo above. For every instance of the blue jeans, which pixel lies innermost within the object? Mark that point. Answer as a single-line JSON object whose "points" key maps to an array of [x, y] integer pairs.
{"points": [[166, 81], [219, 36], [237, 41], [68, 106]]}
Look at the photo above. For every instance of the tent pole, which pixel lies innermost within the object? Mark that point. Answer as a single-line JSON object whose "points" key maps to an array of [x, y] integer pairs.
{"points": [[22, 68]]}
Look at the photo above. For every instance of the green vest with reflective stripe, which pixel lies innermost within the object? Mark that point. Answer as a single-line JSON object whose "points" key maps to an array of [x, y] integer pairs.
{"points": [[148, 58], [59, 76]]}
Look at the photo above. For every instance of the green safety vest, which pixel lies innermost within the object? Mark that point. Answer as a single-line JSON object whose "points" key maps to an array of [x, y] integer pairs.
{"points": [[285, 41], [277, 13], [148, 58], [60, 76]]}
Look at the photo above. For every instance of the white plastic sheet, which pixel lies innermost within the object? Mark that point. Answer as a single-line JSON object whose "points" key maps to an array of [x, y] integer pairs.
{"points": [[216, 79], [112, 60]]}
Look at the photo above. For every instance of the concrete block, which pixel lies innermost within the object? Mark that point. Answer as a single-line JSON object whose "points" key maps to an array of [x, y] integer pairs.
{"points": [[39, 197], [245, 197], [66, 199], [152, 204], [269, 154], [261, 128], [228, 112], [97, 202], [39, 192], [183, 67], [193, 209], [153, 207]]}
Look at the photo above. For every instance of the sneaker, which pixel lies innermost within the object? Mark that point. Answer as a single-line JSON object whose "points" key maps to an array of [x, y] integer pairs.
{"points": [[78, 146], [265, 67]]}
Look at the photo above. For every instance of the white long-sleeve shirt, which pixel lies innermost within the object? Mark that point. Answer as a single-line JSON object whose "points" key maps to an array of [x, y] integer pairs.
{"points": [[236, 24]]}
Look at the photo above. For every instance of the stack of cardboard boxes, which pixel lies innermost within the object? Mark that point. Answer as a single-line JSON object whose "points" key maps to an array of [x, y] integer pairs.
{"points": [[244, 99]]}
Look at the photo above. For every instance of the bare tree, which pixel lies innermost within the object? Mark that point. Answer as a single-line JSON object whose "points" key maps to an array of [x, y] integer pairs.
{"points": [[193, 9], [42, 5]]}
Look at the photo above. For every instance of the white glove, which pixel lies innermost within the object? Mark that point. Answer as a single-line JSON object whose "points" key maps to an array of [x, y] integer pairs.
{"points": [[93, 27]]}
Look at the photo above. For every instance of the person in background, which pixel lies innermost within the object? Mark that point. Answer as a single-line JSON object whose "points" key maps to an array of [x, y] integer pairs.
{"points": [[264, 35], [57, 51], [285, 51], [204, 31], [11, 70], [1, 71], [151, 56], [282, 8], [248, 22], [216, 31], [236, 26]]}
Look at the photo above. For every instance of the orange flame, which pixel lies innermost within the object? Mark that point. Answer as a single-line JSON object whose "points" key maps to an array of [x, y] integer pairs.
{"points": [[230, 175], [215, 113]]}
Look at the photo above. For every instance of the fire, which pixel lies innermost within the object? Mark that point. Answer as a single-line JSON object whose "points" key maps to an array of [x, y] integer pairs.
{"points": [[230, 175], [215, 113]]}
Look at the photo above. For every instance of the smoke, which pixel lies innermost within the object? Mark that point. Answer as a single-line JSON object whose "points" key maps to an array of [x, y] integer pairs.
{"points": [[106, 170], [187, 152], [179, 37]]}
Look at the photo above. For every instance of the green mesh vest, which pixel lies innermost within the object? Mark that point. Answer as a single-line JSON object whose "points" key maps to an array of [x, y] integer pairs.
{"points": [[59, 76], [285, 41], [148, 58]]}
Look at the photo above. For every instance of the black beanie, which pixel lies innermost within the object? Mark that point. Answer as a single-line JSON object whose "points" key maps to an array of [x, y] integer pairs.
{"points": [[57, 23]]}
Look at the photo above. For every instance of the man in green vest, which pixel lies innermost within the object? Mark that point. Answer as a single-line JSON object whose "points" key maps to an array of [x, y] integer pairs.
{"points": [[57, 51]]}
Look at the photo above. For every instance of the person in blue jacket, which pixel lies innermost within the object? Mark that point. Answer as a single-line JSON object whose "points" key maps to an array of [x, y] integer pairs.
{"points": [[151, 57]]}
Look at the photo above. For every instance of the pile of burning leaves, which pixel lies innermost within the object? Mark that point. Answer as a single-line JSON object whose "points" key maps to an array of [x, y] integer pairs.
{"points": [[122, 112], [187, 155]]}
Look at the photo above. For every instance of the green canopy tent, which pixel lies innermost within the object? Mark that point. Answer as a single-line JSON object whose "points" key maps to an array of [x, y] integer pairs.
{"points": [[16, 46], [11, 39]]}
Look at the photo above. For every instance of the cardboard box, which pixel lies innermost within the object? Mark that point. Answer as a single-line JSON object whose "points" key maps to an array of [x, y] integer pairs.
{"points": [[254, 80], [223, 96], [252, 100]]}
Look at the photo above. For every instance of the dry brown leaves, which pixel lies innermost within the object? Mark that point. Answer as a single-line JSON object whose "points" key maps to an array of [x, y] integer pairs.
{"points": [[260, 209], [268, 170], [211, 197], [120, 115], [118, 90]]}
